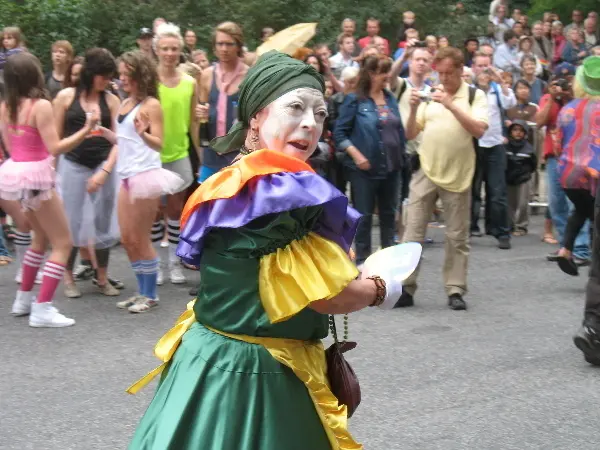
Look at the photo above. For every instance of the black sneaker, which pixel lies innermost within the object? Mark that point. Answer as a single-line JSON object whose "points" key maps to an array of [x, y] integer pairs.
{"points": [[114, 282], [553, 257], [456, 302], [476, 233], [588, 341], [83, 272], [193, 291], [504, 243], [406, 300]]}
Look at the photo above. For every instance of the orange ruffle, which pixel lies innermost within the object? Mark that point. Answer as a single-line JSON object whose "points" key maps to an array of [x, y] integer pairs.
{"points": [[229, 181]]}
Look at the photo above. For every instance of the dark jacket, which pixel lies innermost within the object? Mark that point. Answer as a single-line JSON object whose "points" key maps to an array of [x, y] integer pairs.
{"points": [[521, 160], [359, 124]]}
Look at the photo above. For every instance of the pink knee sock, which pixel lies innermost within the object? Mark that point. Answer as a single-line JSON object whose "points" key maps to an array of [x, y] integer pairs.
{"points": [[53, 274], [31, 264]]}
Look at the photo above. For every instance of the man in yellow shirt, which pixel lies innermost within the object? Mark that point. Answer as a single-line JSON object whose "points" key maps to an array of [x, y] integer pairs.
{"points": [[449, 123]]}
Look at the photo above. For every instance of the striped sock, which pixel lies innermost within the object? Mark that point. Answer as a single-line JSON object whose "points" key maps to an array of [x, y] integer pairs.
{"points": [[149, 273], [136, 266], [22, 241], [157, 234], [173, 227], [31, 264], [53, 274]]}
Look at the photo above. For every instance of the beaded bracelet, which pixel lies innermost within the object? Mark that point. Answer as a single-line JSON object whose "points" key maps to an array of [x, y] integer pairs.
{"points": [[381, 290]]}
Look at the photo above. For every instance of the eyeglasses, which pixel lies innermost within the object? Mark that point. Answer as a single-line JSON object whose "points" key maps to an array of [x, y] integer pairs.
{"points": [[225, 44]]}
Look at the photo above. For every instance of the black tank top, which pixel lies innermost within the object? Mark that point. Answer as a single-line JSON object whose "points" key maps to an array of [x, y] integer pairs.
{"points": [[95, 149]]}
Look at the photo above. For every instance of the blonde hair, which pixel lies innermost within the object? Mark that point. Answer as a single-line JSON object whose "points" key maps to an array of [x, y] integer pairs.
{"points": [[349, 73], [167, 30], [66, 46], [191, 69], [579, 92], [234, 31]]}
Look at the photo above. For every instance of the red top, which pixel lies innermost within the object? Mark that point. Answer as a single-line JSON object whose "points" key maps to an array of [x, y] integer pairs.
{"points": [[552, 141], [363, 42]]}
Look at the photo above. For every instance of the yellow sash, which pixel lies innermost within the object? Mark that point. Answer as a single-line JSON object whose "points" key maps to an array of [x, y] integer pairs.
{"points": [[305, 358]]}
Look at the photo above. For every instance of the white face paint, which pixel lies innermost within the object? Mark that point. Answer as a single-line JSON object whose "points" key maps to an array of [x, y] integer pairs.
{"points": [[293, 123]]}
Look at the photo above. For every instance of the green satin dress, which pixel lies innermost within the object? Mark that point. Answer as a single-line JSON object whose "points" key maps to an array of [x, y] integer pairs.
{"points": [[223, 394]]}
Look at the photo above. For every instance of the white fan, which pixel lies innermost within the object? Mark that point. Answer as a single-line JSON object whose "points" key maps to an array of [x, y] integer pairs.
{"points": [[393, 264]]}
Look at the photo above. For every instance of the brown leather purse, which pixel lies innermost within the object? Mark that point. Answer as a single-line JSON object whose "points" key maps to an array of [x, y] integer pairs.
{"points": [[342, 379]]}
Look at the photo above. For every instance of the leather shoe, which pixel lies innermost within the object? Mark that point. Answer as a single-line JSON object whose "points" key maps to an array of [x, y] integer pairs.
{"points": [[406, 300], [552, 257], [504, 243], [456, 302], [588, 341]]}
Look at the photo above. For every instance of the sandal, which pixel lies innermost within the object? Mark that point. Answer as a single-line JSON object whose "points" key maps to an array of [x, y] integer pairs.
{"points": [[190, 266], [519, 233], [5, 260], [549, 239], [9, 232], [568, 266]]}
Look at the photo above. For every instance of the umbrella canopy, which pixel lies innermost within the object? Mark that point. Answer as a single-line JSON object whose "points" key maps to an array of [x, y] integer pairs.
{"points": [[290, 39]]}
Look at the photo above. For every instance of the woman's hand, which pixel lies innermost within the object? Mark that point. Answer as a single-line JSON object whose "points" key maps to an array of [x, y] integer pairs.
{"points": [[361, 162], [96, 181], [91, 119], [142, 123]]}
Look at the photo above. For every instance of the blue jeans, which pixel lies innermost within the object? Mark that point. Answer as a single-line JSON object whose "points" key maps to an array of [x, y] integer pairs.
{"points": [[560, 209], [3, 250], [366, 193]]}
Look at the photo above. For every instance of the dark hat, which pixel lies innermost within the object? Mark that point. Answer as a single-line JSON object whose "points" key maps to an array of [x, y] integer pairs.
{"points": [[564, 69], [521, 123], [145, 32]]}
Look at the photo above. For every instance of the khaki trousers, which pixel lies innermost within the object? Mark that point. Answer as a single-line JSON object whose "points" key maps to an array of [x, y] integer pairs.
{"points": [[457, 214], [518, 206]]}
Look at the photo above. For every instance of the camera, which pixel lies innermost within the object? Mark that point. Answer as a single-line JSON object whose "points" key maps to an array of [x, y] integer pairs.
{"points": [[562, 83], [426, 96], [420, 44]]}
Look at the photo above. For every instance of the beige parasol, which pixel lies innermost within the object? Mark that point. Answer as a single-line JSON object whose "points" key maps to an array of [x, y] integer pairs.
{"points": [[290, 39]]}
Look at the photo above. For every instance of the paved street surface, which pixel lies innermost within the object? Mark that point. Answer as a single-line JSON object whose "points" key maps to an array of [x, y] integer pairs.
{"points": [[503, 375]]}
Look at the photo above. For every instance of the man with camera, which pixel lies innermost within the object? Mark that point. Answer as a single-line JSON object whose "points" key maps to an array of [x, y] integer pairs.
{"points": [[559, 94], [447, 161], [419, 65], [491, 155]]}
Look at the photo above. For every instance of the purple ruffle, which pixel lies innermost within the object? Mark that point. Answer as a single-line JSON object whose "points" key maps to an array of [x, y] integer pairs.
{"points": [[268, 195]]}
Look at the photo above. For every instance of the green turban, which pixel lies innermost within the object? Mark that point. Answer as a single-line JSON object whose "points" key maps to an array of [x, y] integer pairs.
{"points": [[273, 75]]}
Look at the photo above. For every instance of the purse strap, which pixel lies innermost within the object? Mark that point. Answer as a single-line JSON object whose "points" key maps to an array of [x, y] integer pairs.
{"points": [[333, 328]]}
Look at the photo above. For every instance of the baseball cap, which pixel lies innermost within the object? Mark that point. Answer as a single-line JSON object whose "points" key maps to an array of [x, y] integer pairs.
{"points": [[145, 32]]}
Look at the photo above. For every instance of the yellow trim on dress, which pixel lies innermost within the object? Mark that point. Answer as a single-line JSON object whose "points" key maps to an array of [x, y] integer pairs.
{"points": [[310, 269], [307, 270]]}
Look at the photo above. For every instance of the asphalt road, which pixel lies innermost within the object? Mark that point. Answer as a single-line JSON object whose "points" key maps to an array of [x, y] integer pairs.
{"points": [[502, 375]]}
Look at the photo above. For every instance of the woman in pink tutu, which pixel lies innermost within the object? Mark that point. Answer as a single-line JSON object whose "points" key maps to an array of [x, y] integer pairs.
{"points": [[32, 141], [139, 140]]}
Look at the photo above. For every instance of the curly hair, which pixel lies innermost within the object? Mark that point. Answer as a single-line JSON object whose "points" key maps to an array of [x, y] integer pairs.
{"points": [[23, 78], [142, 70]]}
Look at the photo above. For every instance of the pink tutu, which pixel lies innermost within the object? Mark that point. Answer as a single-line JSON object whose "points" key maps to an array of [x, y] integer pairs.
{"points": [[153, 184], [30, 182]]}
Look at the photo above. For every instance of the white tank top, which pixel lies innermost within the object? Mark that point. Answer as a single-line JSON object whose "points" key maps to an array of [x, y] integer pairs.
{"points": [[134, 155]]}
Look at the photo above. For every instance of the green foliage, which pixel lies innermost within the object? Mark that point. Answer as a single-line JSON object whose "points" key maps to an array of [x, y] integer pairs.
{"points": [[563, 8], [114, 23]]}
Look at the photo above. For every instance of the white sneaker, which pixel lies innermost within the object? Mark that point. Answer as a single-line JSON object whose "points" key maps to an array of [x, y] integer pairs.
{"points": [[143, 304], [38, 277], [22, 304], [176, 274], [160, 278], [46, 315]]}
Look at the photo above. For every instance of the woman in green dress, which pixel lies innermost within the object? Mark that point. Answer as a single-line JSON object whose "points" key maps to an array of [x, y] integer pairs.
{"points": [[244, 367]]}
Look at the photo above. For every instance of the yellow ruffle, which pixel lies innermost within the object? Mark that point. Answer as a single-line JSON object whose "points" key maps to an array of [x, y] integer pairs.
{"points": [[306, 359], [310, 269]]}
